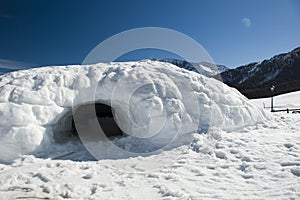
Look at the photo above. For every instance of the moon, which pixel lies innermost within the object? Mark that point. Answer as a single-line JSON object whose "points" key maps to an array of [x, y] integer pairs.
{"points": [[246, 22]]}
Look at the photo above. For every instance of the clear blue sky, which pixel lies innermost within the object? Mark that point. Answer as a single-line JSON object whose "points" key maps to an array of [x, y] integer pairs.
{"points": [[234, 32]]}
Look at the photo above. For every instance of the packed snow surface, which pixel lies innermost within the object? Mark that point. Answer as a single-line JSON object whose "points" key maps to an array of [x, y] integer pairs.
{"points": [[260, 162], [152, 99]]}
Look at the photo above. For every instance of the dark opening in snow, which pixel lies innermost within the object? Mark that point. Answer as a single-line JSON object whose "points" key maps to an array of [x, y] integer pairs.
{"points": [[65, 128]]}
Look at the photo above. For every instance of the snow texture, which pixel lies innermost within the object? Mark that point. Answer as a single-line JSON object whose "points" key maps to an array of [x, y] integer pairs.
{"points": [[149, 97], [259, 162]]}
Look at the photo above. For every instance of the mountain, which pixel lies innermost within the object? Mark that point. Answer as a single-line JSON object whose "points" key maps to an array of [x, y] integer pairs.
{"points": [[204, 68], [5, 70], [255, 79], [7, 66]]}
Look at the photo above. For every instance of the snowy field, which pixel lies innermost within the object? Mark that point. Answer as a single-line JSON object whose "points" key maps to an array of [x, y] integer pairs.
{"points": [[289, 100], [254, 161], [262, 162]]}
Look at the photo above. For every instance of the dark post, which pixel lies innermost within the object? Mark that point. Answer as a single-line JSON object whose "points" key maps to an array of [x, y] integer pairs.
{"points": [[272, 90]]}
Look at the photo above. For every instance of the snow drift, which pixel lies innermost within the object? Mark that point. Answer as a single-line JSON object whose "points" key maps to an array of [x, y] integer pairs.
{"points": [[151, 100]]}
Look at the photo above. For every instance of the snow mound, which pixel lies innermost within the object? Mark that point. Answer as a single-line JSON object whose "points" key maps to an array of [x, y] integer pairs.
{"points": [[152, 101]]}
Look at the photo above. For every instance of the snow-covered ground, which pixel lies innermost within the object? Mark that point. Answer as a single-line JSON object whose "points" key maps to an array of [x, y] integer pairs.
{"points": [[260, 162], [284, 101], [255, 161]]}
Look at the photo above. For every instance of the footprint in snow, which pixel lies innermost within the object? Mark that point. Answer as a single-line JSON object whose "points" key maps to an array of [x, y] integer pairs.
{"points": [[246, 159], [88, 176], [296, 172], [288, 145], [247, 176], [234, 151], [220, 154]]}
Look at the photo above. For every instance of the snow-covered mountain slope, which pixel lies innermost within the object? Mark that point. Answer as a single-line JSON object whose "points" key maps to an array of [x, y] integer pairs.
{"points": [[209, 69], [255, 79], [204, 68], [10, 66], [152, 100], [4, 70]]}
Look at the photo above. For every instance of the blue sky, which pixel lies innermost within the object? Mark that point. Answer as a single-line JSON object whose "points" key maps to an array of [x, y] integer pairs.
{"points": [[233, 32]]}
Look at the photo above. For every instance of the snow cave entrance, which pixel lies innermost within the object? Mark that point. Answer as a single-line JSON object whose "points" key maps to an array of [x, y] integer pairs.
{"points": [[65, 128]]}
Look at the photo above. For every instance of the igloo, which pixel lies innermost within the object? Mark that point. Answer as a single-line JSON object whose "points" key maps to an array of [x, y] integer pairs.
{"points": [[149, 100]]}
